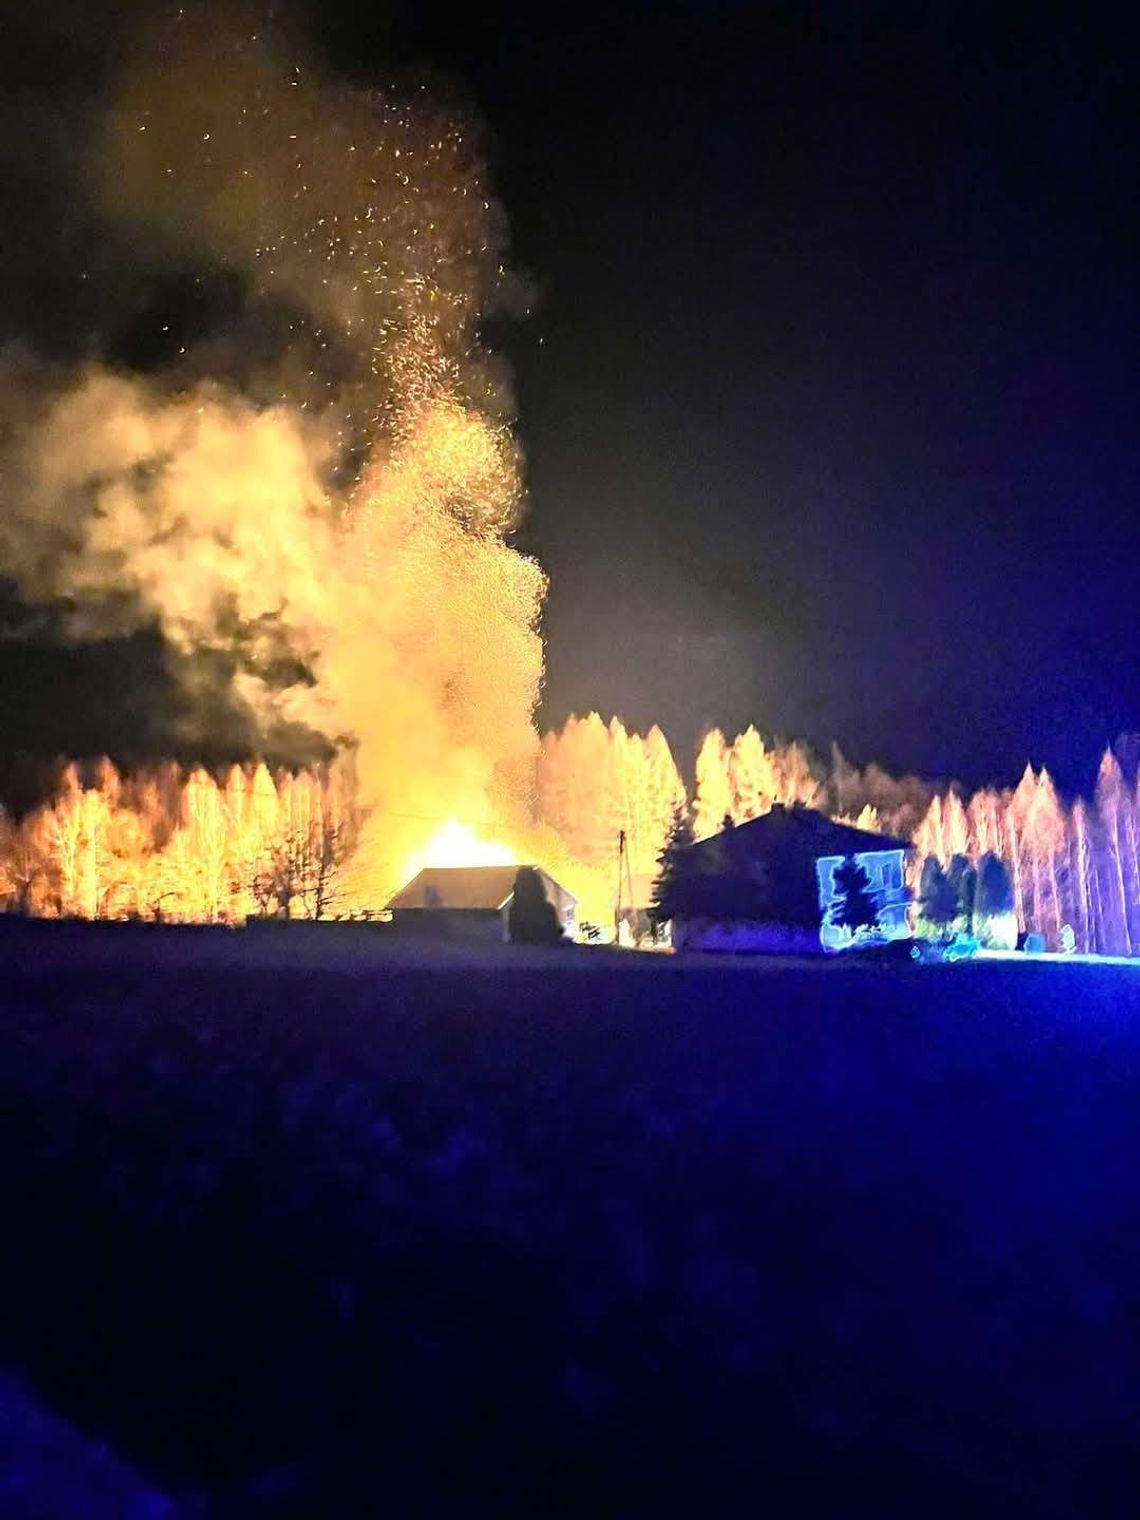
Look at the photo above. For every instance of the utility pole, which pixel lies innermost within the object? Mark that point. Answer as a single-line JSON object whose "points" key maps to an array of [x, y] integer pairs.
{"points": [[625, 879]]}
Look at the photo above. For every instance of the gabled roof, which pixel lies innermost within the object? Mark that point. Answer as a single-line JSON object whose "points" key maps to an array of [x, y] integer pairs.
{"points": [[799, 830], [487, 887], [765, 870]]}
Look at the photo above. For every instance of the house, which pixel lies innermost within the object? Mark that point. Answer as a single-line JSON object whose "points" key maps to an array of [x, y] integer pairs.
{"points": [[471, 902], [769, 885]]}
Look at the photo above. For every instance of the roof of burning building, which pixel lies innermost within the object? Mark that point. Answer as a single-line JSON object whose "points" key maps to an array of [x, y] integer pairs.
{"points": [[468, 887]]}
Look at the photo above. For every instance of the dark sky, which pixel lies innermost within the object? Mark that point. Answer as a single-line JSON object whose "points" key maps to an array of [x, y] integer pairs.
{"points": [[830, 396], [830, 391]]}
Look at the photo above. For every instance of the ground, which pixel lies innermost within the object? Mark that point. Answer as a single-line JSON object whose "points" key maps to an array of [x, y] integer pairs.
{"points": [[300, 1223]]}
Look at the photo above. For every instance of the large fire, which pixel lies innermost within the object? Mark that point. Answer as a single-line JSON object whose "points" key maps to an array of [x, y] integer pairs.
{"points": [[312, 501], [454, 844]]}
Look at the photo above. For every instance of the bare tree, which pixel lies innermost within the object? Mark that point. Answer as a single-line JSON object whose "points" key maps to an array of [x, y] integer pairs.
{"points": [[299, 876], [1111, 802]]}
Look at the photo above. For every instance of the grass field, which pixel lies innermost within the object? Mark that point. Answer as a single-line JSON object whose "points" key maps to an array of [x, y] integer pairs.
{"points": [[315, 1226]]}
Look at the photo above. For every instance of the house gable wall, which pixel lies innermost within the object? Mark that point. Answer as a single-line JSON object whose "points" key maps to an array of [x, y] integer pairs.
{"points": [[886, 874]]}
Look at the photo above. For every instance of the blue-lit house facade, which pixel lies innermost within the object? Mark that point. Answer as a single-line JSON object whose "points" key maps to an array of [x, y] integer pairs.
{"points": [[886, 876]]}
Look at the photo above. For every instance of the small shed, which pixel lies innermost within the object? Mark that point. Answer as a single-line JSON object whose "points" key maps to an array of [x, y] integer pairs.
{"points": [[471, 902]]}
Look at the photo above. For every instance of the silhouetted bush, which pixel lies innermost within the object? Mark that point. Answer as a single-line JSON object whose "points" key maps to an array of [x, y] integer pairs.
{"points": [[531, 918]]}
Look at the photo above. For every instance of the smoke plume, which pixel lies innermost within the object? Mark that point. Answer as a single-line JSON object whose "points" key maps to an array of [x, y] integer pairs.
{"points": [[307, 479]]}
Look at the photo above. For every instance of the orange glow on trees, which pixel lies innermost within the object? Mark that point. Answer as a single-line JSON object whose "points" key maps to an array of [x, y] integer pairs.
{"points": [[742, 780], [182, 848], [188, 846], [594, 780], [1078, 866]]}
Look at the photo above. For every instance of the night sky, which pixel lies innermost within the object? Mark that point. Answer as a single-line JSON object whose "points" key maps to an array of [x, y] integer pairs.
{"points": [[830, 395], [829, 387]]}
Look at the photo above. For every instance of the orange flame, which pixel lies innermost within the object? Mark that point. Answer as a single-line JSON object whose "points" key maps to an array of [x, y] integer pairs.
{"points": [[455, 844]]}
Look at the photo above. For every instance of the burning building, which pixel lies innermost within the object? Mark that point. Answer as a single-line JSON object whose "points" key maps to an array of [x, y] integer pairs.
{"points": [[473, 902]]}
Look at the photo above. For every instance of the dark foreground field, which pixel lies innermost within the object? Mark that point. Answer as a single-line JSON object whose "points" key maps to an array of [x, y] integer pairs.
{"points": [[318, 1229]]}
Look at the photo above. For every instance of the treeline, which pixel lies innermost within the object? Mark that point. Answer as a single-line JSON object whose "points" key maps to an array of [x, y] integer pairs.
{"points": [[596, 778], [1077, 866], [171, 845], [183, 844]]}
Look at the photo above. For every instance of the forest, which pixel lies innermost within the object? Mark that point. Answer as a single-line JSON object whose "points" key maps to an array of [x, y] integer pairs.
{"points": [[185, 845]]}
